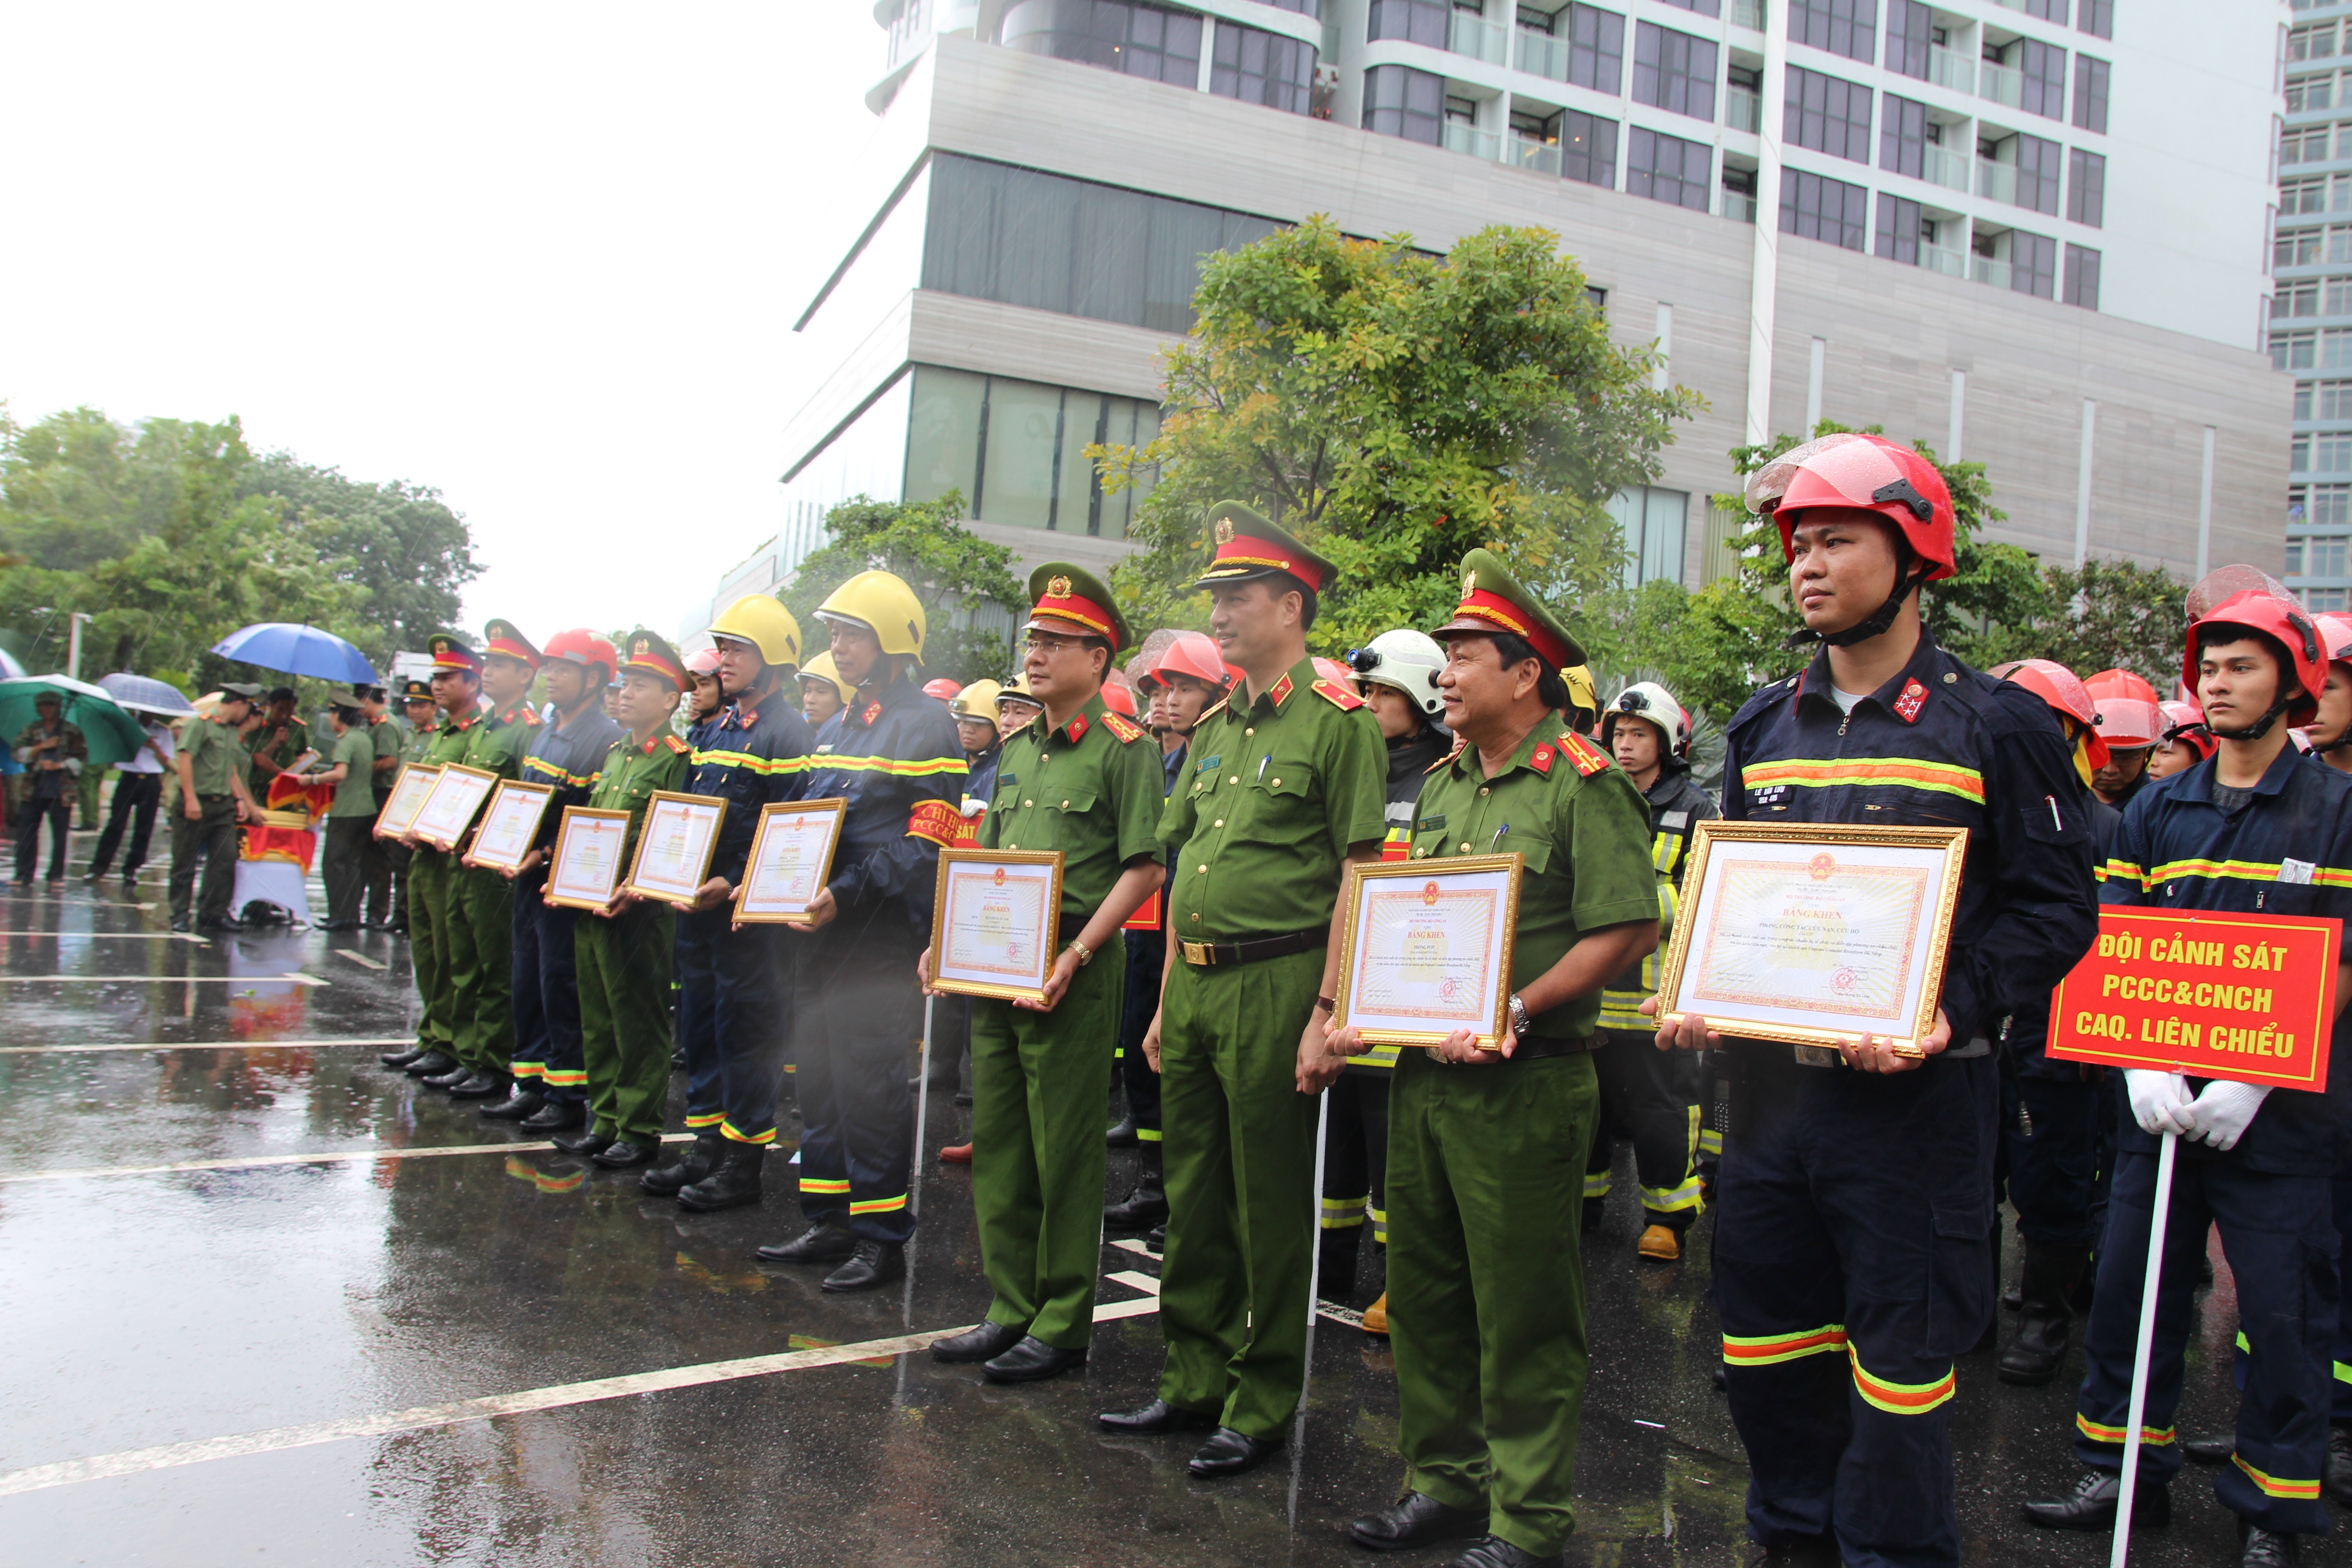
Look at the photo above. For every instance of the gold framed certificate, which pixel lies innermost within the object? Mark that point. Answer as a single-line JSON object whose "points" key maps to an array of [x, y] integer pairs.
{"points": [[790, 860], [510, 823], [585, 870], [458, 794], [1426, 948], [407, 798], [675, 847], [994, 920], [1812, 933]]}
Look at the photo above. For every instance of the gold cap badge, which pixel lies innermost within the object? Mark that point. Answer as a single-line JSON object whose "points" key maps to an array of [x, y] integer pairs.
{"points": [[1469, 582], [1059, 588], [1225, 530], [641, 645]]}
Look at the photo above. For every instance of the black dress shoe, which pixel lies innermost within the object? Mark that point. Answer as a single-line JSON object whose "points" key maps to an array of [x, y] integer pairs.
{"points": [[555, 1115], [518, 1104], [432, 1064], [2259, 1548], [590, 1142], [873, 1264], [1122, 1134], [621, 1155], [1231, 1453], [2214, 1450], [1032, 1361], [180, 925], [732, 1182], [694, 1161], [1417, 1520], [1496, 1553], [984, 1342], [817, 1244], [1157, 1416], [451, 1079], [482, 1083], [401, 1059], [1143, 1208], [2092, 1505]]}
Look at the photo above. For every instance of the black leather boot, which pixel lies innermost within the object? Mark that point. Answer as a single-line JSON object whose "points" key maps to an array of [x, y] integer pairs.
{"points": [[432, 1064], [1148, 1205], [1122, 1134], [557, 1116], [873, 1264], [485, 1083], [2045, 1320], [521, 1102], [732, 1183], [2260, 1548], [2092, 1505], [1418, 1519], [694, 1161], [817, 1244], [402, 1059]]}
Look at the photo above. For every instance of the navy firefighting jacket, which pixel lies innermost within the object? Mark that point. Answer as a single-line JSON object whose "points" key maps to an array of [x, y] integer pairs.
{"points": [[747, 757], [897, 761]]}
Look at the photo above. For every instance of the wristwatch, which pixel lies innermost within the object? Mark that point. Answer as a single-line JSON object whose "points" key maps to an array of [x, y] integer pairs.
{"points": [[1518, 1018], [1086, 954]]}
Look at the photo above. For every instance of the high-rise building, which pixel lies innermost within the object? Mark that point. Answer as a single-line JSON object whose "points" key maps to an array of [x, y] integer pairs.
{"points": [[2027, 232], [2311, 311]]}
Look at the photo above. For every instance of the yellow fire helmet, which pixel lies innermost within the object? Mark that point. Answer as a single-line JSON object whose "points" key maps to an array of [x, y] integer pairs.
{"points": [[821, 668], [883, 605], [977, 702], [766, 625], [1582, 695]]}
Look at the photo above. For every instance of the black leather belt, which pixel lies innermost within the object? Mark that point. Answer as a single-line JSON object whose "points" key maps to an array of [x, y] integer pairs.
{"points": [[1533, 1050], [1210, 954]]}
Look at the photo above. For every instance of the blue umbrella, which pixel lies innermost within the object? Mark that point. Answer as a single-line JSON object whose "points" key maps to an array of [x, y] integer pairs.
{"points": [[141, 695], [297, 650]]}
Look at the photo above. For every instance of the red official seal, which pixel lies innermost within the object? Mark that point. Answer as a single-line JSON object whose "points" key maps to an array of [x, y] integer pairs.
{"points": [[1821, 866]]}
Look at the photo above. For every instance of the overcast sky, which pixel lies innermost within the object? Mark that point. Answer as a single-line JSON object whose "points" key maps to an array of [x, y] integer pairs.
{"points": [[542, 258]]}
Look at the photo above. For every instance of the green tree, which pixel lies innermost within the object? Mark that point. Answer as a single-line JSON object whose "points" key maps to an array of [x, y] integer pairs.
{"points": [[1394, 410], [970, 600], [399, 542]]}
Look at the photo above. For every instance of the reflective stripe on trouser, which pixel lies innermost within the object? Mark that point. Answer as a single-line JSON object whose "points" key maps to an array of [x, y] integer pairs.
{"points": [[748, 977], [1037, 1153], [2279, 1236], [1147, 956], [1239, 1164], [623, 967], [1356, 1152], [547, 992], [2049, 1155], [481, 972], [859, 1018], [429, 890], [698, 1019], [1640, 1093], [1487, 1286], [1851, 1264]]}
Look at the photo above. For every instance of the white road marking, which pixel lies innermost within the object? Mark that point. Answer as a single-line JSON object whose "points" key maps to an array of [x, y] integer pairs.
{"points": [[118, 935], [295, 975], [337, 1157], [1338, 1314], [359, 958], [1131, 1244], [198, 1046], [420, 1417], [1135, 1281]]}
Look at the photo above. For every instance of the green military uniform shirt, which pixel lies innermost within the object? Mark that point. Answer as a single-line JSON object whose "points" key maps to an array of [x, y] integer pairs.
{"points": [[495, 745], [385, 737], [214, 754], [415, 743], [1584, 831], [632, 773], [355, 794], [257, 745], [1087, 789], [1278, 790]]}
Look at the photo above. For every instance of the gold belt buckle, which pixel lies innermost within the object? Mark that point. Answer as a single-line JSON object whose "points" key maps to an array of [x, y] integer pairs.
{"points": [[1200, 954], [1819, 1057]]}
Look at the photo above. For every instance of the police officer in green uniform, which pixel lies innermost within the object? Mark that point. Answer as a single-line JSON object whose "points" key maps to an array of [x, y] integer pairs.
{"points": [[1084, 781], [1486, 1147], [418, 726], [1285, 792], [623, 952], [212, 799], [457, 687], [481, 898]]}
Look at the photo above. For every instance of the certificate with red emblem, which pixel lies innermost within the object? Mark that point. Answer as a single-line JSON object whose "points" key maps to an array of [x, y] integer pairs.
{"points": [[1425, 949], [995, 921]]}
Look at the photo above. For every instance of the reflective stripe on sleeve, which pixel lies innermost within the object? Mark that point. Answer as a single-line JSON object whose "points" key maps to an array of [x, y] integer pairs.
{"points": [[1911, 772]]}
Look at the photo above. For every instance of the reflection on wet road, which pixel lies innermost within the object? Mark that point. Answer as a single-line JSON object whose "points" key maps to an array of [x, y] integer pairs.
{"points": [[264, 1301]]}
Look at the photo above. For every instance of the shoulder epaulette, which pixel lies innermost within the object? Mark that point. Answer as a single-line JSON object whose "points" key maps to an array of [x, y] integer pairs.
{"points": [[531, 717], [1338, 696], [1458, 744], [674, 744], [1587, 758], [1121, 725], [1211, 710]]}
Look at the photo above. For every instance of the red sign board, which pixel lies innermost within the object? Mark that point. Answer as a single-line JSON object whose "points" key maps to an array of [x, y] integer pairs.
{"points": [[2249, 997]]}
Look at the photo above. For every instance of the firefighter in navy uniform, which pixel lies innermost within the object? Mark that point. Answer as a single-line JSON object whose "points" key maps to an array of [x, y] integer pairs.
{"points": [[690, 1017], [2252, 829], [1854, 1211], [898, 763], [1654, 1097], [755, 754]]}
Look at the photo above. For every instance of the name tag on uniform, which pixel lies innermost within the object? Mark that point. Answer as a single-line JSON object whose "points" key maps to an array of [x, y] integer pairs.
{"points": [[1205, 763], [1430, 824], [2295, 870], [1675, 819], [1006, 781]]}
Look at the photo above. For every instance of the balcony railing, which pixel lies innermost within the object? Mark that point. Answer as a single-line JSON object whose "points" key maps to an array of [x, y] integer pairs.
{"points": [[1738, 205], [1997, 182], [1541, 54], [1526, 152], [1481, 39], [2002, 84], [1461, 136], [1944, 166], [1747, 14], [1938, 258], [1985, 269], [1955, 71], [1743, 110]]}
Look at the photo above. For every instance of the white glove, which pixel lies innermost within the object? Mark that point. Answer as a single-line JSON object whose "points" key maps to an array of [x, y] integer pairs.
{"points": [[2222, 1111], [2159, 1101]]}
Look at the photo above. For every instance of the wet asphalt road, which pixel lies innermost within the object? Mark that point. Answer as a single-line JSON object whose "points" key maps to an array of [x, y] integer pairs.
{"points": [[262, 1311]]}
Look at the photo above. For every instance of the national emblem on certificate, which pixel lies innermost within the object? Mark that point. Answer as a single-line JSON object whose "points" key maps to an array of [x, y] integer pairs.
{"points": [[408, 796], [458, 793], [510, 823], [674, 849], [1426, 952], [791, 858], [585, 871], [994, 920], [1814, 934]]}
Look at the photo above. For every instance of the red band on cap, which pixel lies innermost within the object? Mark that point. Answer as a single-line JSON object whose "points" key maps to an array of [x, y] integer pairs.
{"points": [[510, 649], [1493, 607], [1083, 611], [659, 665], [1264, 554]]}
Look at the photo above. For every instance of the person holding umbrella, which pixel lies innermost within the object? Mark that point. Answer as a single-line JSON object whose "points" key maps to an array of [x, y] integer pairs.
{"points": [[52, 752], [213, 798]]}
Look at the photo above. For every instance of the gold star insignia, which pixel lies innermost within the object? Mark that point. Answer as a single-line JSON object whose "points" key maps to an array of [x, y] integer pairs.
{"points": [[1469, 582], [1059, 588], [1225, 530]]}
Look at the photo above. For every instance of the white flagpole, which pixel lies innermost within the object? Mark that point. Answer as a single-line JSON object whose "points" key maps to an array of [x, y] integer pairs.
{"points": [[2140, 1352]]}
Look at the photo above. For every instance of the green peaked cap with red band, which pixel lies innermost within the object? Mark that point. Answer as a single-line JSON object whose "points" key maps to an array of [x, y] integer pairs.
{"points": [[450, 650], [648, 653], [505, 639], [1494, 601], [1248, 547], [1072, 601]]}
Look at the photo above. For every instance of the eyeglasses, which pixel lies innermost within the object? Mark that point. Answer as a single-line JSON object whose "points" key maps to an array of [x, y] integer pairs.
{"points": [[1049, 644]]}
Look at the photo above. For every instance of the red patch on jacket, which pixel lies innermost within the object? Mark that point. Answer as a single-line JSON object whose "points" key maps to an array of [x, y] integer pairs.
{"points": [[936, 821], [1583, 754], [1339, 696], [1914, 698]]}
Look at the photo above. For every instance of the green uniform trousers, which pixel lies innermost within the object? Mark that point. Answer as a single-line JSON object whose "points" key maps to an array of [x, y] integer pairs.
{"points": [[624, 967], [1486, 1285], [429, 884], [1037, 1153], [1239, 1158], [481, 948]]}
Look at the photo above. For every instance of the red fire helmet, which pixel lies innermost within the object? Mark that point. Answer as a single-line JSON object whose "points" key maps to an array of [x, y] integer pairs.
{"points": [[2283, 621], [2059, 687], [1869, 472]]}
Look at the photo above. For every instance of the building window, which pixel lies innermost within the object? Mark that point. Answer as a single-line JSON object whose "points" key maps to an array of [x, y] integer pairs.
{"points": [[2037, 163], [1587, 149], [1134, 40], [2033, 263], [1703, 7], [1304, 7], [2294, 350], [2323, 400], [1827, 114], [2308, 195], [1848, 28], [1651, 522], [1401, 102], [2321, 601], [1668, 169], [1596, 49], [2305, 92], [2082, 278], [2317, 557], [2086, 188], [1903, 136], [2296, 300], [2044, 68], [1674, 71], [2097, 17], [2327, 452], [2338, 297], [2303, 147], [2316, 42], [1016, 451], [1263, 67], [2297, 248], [2324, 506], [1898, 229], [1425, 22], [2091, 93], [2048, 10], [1910, 33], [1814, 206]]}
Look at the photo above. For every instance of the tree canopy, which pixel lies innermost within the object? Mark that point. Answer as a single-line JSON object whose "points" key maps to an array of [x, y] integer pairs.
{"points": [[965, 583]]}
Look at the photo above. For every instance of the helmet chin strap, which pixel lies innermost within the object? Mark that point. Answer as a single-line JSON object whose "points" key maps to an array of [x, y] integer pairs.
{"points": [[2259, 728], [1908, 574]]}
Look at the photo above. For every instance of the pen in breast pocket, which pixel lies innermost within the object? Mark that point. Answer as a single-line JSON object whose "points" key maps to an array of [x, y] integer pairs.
{"points": [[1497, 838], [2053, 813], [1261, 766]]}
